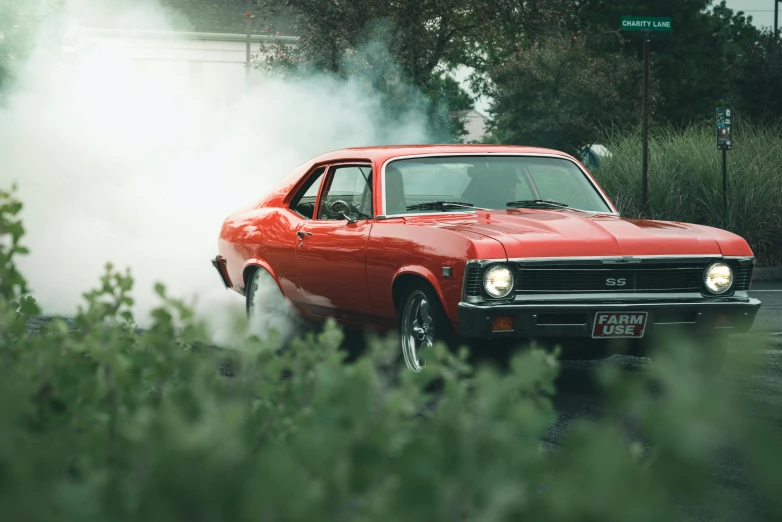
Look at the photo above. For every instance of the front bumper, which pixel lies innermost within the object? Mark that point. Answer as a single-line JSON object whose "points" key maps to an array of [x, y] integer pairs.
{"points": [[574, 320]]}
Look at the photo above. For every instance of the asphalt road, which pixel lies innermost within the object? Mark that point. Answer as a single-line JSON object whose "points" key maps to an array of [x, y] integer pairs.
{"points": [[578, 397], [769, 317]]}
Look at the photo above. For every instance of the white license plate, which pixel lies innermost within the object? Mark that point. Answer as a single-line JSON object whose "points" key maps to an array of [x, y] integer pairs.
{"points": [[619, 324]]}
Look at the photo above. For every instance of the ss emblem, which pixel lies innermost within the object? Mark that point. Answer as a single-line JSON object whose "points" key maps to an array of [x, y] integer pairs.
{"points": [[616, 282]]}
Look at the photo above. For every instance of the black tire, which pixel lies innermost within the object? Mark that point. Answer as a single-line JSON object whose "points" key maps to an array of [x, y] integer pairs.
{"points": [[421, 322]]}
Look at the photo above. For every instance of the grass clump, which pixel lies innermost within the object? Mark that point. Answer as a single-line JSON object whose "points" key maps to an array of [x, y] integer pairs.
{"points": [[685, 181], [108, 423]]}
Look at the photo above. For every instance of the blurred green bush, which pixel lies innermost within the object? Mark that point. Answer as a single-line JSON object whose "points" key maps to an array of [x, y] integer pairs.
{"points": [[109, 423]]}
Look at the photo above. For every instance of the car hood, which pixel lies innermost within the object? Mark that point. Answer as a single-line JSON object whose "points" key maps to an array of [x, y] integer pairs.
{"points": [[556, 233]]}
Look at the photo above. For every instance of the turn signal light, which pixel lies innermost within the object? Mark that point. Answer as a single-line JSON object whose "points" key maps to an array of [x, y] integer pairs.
{"points": [[723, 321], [502, 324]]}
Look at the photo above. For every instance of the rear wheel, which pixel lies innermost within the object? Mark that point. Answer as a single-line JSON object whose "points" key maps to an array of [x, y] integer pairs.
{"points": [[422, 323], [267, 308]]}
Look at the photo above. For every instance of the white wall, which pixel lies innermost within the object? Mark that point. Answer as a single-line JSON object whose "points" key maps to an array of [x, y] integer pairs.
{"points": [[203, 72], [475, 125]]}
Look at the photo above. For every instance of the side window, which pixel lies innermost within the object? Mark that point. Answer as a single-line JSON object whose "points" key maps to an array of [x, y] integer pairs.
{"points": [[303, 202], [350, 191]]}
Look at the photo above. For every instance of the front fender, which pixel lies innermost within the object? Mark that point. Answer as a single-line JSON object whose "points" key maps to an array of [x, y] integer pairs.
{"points": [[257, 263], [425, 273]]}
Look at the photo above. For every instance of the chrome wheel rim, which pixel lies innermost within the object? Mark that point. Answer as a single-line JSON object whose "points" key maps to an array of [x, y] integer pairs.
{"points": [[417, 330]]}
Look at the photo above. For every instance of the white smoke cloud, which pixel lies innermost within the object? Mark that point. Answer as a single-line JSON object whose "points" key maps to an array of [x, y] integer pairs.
{"points": [[113, 163]]}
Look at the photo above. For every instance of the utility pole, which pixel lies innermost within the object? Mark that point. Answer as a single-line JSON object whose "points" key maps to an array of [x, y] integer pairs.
{"points": [[776, 20], [248, 15]]}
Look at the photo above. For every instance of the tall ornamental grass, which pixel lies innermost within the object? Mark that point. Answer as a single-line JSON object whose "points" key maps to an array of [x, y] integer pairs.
{"points": [[685, 181]]}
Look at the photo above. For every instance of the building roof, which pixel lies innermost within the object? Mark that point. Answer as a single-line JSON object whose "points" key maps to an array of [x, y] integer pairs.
{"points": [[468, 112], [197, 16]]}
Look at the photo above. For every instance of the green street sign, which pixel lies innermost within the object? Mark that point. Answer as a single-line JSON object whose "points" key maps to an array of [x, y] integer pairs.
{"points": [[646, 23]]}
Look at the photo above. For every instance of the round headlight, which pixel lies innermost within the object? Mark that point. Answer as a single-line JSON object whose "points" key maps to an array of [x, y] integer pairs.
{"points": [[498, 281], [718, 277]]}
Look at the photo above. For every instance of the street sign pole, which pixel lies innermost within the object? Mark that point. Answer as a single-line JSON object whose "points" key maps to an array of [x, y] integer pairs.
{"points": [[647, 25], [724, 143], [725, 182], [645, 130]]}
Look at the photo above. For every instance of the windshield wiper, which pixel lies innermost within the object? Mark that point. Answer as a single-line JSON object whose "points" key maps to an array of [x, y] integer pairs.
{"points": [[536, 203], [440, 205]]}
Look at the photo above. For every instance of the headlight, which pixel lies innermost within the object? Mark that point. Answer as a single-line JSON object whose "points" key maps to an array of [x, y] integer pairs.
{"points": [[498, 281], [718, 277]]}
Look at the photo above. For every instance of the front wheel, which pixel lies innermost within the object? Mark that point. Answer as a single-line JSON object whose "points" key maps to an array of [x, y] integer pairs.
{"points": [[422, 323]]}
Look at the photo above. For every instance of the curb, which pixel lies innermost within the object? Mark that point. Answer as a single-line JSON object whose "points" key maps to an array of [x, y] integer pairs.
{"points": [[768, 273]]}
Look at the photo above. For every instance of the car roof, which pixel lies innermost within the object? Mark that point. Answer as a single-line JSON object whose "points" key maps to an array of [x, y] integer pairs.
{"points": [[381, 154]]}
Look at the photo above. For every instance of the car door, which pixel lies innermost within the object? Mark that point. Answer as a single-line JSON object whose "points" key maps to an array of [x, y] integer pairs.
{"points": [[331, 251]]}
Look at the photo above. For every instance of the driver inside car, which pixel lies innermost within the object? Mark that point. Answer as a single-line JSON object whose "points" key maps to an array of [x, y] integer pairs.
{"points": [[490, 187]]}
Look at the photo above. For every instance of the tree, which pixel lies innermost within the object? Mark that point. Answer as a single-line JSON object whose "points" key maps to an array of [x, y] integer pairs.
{"points": [[400, 49], [758, 82], [694, 63], [18, 21], [558, 93]]}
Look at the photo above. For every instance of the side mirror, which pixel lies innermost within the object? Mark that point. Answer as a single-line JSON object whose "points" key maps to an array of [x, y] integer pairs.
{"points": [[350, 219]]}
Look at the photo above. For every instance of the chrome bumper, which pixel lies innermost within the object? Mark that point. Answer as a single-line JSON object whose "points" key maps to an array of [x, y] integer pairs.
{"points": [[575, 320]]}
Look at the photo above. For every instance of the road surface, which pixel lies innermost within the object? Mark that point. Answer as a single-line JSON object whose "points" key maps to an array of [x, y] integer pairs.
{"points": [[769, 318], [578, 397]]}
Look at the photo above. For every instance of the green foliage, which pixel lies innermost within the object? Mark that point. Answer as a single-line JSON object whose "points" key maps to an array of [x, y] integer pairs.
{"points": [[699, 65], [19, 20], [685, 180], [396, 50], [558, 93], [110, 423], [758, 81]]}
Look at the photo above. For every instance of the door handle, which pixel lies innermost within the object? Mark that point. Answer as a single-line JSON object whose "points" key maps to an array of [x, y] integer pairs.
{"points": [[302, 234]]}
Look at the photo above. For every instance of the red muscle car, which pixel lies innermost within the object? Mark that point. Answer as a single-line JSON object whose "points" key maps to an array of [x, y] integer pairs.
{"points": [[481, 242]]}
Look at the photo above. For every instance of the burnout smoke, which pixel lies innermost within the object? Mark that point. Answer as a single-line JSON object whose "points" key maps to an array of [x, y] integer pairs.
{"points": [[117, 165]]}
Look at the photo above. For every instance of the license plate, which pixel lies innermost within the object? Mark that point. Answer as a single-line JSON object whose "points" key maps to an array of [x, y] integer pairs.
{"points": [[619, 324]]}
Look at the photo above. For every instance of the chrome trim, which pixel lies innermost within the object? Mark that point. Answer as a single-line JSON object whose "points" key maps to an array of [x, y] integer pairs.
{"points": [[449, 214], [591, 306], [588, 176], [585, 297], [609, 259]]}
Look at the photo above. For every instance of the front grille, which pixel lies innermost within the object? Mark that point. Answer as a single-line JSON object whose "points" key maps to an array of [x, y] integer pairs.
{"points": [[589, 279], [743, 277], [474, 281], [595, 277]]}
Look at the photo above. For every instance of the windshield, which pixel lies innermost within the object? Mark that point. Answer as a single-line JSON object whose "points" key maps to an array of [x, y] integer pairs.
{"points": [[464, 183]]}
